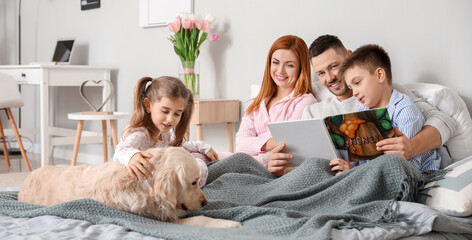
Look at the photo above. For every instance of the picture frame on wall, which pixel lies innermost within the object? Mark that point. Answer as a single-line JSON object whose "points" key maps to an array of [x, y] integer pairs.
{"points": [[89, 4], [155, 13]]}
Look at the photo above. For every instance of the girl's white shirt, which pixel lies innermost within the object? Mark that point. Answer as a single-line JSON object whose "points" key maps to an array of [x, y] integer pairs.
{"points": [[138, 140]]}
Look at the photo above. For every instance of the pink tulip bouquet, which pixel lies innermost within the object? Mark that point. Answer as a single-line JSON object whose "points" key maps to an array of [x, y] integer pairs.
{"points": [[190, 31]]}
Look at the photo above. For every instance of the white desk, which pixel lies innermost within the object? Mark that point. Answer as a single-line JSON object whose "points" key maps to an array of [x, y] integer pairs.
{"points": [[55, 76]]}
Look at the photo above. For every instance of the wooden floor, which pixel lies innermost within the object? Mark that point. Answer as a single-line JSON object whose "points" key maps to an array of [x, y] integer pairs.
{"points": [[14, 175], [17, 164]]}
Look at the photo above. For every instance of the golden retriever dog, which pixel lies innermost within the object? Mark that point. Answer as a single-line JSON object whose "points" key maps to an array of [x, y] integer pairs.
{"points": [[166, 195]]}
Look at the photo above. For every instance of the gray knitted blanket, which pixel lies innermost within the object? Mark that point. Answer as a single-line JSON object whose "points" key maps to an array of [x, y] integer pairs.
{"points": [[304, 204]]}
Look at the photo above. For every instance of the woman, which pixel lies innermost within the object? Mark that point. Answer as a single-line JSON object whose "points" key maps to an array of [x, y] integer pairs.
{"points": [[285, 92]]}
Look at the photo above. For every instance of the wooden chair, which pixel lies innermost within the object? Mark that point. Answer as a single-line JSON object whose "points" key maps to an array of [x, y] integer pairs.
{"points": [[81, 117], [10, 97]]}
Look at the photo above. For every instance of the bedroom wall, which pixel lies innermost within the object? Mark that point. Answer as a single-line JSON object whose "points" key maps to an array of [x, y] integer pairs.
{"points": [[8, 32], [428, 41]]}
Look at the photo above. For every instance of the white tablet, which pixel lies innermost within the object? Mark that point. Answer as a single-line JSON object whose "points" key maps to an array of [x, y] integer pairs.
{"points": [[303, 139]]}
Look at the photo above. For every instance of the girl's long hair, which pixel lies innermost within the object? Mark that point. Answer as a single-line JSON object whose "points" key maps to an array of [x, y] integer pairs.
{"points": [[169, 87], [303, 84]]}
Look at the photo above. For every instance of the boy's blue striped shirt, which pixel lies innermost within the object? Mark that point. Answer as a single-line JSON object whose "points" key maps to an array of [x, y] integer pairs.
{"points": [[409, 120]]}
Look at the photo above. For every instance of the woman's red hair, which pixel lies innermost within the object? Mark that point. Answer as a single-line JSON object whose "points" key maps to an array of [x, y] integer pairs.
{"points": [[303, 84]]}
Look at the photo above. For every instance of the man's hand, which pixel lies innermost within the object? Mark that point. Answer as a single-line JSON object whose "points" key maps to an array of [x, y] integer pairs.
{"points": [[140, 167], [399, 145], [277, 161], [340, 165]]}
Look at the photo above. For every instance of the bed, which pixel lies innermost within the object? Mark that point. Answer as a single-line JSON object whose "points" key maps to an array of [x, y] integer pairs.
{"points": [[444, 210]]}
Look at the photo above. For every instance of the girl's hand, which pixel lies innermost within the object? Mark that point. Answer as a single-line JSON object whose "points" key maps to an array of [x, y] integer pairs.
{"points": [[340, 165], [212, 155], [139, 166]]}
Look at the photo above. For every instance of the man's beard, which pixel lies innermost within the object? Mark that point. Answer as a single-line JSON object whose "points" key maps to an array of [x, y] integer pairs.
{"points": [[340, 93]]}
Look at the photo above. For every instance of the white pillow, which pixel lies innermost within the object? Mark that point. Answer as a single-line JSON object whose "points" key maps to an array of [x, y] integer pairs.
{"points": [[450, 103], [321, 93], [453, 194]]}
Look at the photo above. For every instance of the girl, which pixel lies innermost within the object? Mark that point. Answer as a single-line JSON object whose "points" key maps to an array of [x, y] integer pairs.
{"points": [[285, 92], [162, 111]]}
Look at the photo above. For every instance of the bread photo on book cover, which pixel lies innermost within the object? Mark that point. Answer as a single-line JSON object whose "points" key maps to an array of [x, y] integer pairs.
{"points": [[358, 132]]}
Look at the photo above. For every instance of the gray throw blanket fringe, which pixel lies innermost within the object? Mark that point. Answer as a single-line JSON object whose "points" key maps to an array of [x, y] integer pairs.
{"points": [[304, 204], [423, 191]]}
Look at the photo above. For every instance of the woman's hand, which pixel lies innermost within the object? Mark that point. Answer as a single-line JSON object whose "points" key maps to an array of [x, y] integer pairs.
{"points": [[277, 161], [212, 155], [269, 145], [340, 165], [139, 166]]}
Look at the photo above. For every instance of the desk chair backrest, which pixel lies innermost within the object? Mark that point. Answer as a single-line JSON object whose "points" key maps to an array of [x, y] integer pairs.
{"points": [[10, 96]]}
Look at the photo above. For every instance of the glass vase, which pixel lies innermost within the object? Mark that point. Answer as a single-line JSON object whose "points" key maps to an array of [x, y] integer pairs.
{"points": [[189, 73]]}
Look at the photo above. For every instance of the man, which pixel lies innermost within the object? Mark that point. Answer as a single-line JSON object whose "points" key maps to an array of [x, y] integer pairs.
{"points": [[327, 53]]}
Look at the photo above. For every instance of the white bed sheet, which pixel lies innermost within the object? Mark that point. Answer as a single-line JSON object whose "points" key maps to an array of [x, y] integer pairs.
{"points": [[51, 227], [423, 220]]}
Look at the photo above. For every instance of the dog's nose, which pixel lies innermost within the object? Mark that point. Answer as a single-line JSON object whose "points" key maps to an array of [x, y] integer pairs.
{"points": [[204, 203]]}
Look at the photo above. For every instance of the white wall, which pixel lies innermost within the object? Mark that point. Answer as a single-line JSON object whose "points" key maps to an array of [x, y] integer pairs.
{"points": [[8, 32], [428, 41]]}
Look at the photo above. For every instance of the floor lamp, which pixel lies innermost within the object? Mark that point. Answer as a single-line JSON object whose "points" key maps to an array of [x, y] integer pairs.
{"points": [[19, 54], [19, 33], [16, 151]]}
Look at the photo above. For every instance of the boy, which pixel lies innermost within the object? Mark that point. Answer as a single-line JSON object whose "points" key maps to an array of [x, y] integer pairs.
{"points": [[367, 71]]}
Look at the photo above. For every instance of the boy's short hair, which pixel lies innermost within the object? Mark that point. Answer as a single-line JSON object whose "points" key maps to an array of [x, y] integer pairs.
{"points": [[369, 57], [325, 42]]}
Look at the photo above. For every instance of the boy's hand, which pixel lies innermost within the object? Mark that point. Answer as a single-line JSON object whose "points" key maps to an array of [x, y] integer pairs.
{"points": [[212, 155], [340, 165], [277, 161], [139, 166], [399, 145]]}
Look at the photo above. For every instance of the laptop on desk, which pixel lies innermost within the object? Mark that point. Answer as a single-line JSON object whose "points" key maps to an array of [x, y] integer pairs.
{"points": [[64, 51]]}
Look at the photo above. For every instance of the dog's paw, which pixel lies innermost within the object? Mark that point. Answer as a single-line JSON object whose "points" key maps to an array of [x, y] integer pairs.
{"points": [[223, 223], [208, 222]]}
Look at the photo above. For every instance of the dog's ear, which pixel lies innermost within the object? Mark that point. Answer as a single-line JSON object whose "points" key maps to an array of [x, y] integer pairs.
{"points": [[167, 185], [157, 154], [180, 174]]}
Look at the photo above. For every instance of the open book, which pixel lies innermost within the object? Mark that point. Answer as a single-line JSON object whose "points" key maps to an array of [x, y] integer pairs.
{"points": [[351, 136]]}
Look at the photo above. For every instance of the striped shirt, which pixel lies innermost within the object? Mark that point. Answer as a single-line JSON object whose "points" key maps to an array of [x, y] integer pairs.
{"points": [[253, 132], [408, 119]]}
